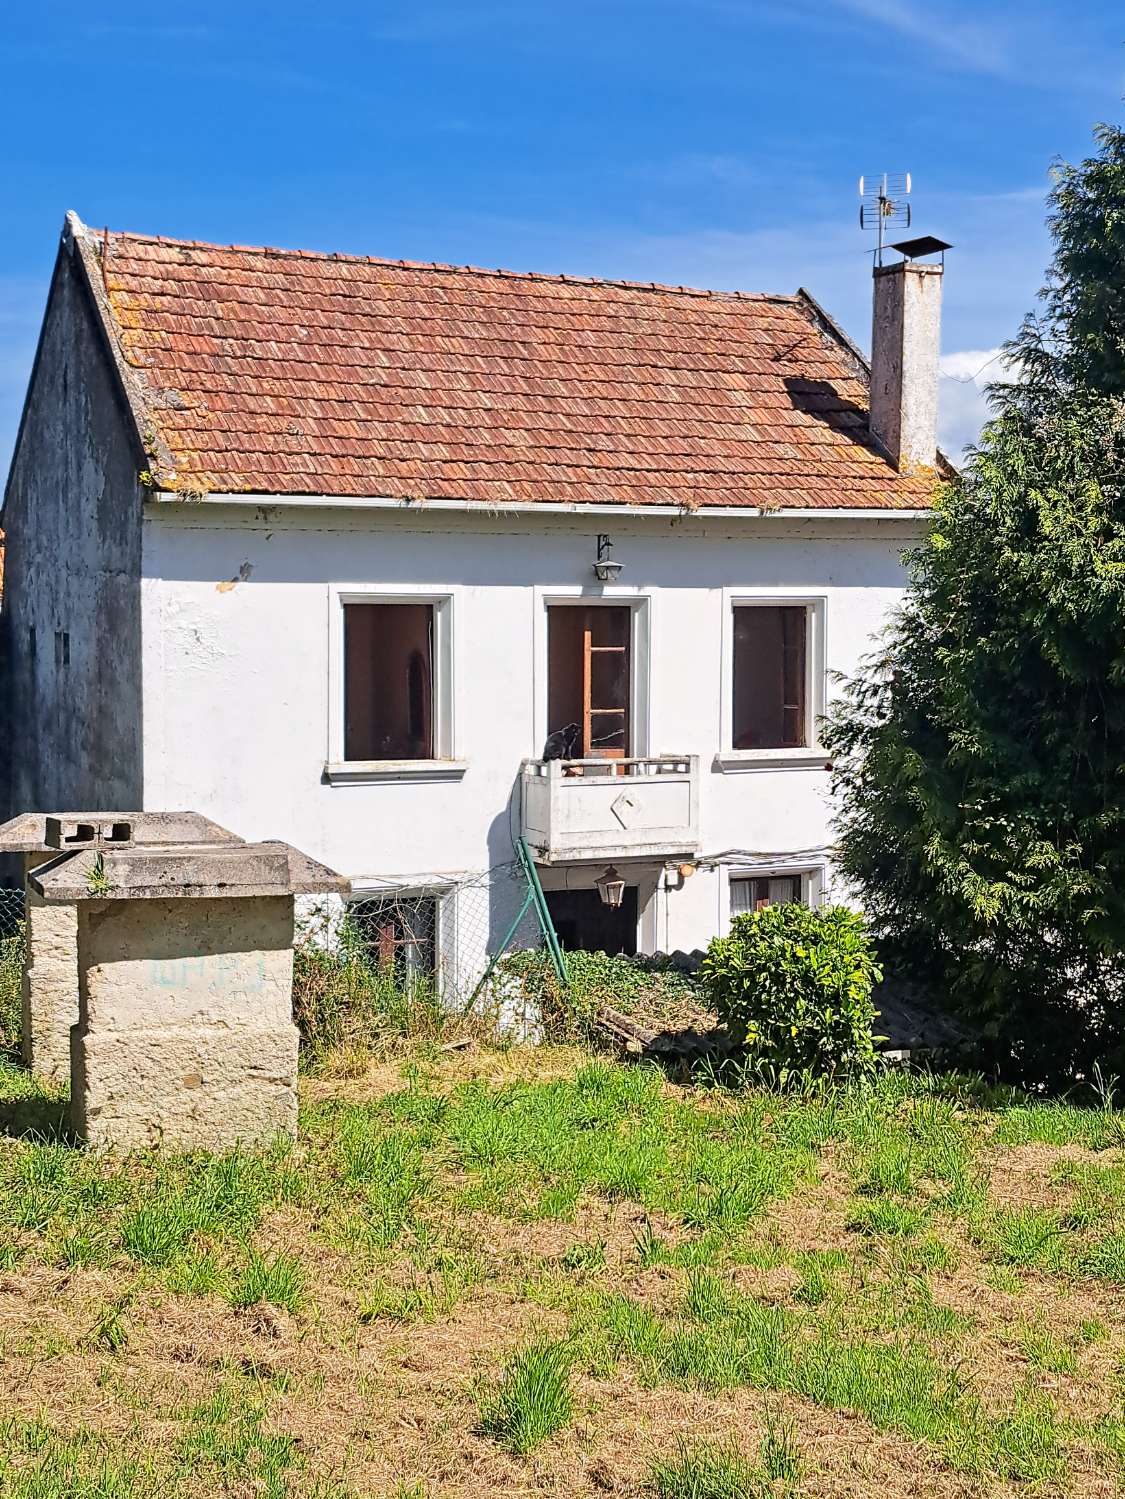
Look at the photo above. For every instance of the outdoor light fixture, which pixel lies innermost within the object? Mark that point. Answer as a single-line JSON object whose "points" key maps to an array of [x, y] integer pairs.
{"points": [[611, 888], [604, 570]]}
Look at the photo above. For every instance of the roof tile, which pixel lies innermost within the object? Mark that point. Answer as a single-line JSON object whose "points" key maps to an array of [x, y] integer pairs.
{"points": [[297, 372]]}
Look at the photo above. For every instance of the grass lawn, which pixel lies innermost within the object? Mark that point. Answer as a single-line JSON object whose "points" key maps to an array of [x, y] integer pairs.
{"points": [[535, 1272]]}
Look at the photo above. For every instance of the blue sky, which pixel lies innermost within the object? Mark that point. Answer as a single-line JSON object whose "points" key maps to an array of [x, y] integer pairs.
{"points": [[710, 142]]}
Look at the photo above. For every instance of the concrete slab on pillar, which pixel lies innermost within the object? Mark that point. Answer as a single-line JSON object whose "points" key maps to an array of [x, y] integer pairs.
{"points": [[50, 979]]}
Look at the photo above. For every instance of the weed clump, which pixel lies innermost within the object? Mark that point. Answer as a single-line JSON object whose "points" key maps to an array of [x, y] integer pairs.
{"points": [[705, 1470], [533, 1399], [346, 1001]]}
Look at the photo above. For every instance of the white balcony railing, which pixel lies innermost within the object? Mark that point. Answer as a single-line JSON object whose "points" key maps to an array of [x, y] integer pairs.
{"points": [[611, 809]]}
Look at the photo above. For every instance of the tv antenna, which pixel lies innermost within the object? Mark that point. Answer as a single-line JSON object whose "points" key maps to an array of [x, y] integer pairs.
{"points": [[883, 205]]}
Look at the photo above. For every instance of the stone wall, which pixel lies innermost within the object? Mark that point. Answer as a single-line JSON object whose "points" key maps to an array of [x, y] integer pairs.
{"points": [[185, 1034]]}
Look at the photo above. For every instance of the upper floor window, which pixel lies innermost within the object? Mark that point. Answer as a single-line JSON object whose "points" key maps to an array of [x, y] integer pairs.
{"points": [[770, 669], [388, 681], [391, 692]]}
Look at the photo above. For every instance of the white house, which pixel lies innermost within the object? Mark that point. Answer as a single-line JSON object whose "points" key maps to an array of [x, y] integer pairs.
{"points": [[325, 548]]}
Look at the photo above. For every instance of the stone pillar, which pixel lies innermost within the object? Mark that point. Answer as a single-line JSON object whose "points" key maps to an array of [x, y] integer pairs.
{"points": [[185, 1035], [50, 982]]}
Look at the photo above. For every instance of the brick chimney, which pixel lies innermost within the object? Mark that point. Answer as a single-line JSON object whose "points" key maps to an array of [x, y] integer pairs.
{"points": [[905, 344]]}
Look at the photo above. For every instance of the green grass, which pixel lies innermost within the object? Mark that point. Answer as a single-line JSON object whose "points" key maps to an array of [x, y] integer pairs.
{"points": [[11, 990], [1029, 1237], [705, 1470], [1045, 1351], [1061, 1124], [422, 1213], [896, 1219], [277, 1279], [723, 1340], [217, 1445], [532, 1400]]}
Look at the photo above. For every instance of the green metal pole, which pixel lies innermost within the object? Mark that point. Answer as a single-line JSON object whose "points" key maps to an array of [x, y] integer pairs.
{"points": [[499, 953], [546, 925]]}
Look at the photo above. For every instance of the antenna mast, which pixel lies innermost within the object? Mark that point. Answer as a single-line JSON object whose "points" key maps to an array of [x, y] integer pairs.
{"points": [[883, 205]]}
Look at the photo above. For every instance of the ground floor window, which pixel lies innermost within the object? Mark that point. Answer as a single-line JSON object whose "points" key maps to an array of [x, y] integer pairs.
{"points": [[755, 892], [399, 933]]}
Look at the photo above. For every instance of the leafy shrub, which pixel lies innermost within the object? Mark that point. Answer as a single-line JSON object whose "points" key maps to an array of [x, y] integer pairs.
{"points": [[793, 985]]}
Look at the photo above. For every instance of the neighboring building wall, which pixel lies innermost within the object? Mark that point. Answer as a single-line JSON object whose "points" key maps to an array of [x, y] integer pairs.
{"points": [[71, 587], [242, 676]]}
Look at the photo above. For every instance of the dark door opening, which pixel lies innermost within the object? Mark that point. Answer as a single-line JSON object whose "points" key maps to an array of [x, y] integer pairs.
{"points": [[583, 922], [588, 677]]}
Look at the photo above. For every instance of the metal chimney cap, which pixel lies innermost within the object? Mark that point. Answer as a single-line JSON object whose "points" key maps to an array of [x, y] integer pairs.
{"points": [[925, 244]]}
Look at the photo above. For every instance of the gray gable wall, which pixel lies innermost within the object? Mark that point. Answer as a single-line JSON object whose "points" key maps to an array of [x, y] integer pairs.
{"points": [[71, 614]]}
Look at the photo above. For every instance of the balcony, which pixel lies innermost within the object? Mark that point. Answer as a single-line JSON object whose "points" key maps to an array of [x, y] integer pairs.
{"points": [[647, 808]]}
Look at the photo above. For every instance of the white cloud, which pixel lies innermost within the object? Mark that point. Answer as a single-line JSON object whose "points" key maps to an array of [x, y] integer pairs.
{"points": [[963, 405], [980, 49]]}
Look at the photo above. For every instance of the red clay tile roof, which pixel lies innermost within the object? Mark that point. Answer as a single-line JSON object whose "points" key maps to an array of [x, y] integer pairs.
{"points": [[287, 372]]}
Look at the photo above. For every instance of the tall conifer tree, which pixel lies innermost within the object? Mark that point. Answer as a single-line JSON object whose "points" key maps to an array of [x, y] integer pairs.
{"points": [[980, 759]]}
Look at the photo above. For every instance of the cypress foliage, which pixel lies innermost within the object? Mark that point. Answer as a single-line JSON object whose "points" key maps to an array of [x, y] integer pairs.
{"points": [[980, 757]]}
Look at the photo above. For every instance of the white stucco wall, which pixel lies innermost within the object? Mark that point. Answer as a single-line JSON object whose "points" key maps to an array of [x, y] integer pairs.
{"points": [[240, 688]]}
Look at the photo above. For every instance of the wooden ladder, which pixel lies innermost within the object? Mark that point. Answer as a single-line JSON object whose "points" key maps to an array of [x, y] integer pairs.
{"points": [[591, 710]]}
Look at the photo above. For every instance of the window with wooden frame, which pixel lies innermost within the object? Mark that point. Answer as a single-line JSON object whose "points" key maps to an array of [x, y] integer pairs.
{"points": [[770, 671], [388, 681]]}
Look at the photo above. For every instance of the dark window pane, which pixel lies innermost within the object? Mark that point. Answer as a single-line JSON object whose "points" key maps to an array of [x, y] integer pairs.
{"points": [[769, 676], [609, 678], [388, 681], [607, 734]]}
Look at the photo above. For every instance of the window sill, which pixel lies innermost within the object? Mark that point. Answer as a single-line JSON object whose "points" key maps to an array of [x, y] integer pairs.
{"points": [[814, 757], [364, 772]]}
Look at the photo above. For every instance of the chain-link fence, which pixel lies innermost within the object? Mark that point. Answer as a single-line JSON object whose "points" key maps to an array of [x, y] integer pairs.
{"points": [[438, 938], [445, 935], [11, 911]]}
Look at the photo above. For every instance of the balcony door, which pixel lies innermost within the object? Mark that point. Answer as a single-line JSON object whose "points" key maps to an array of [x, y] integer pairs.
{"points": [[589, 672]]}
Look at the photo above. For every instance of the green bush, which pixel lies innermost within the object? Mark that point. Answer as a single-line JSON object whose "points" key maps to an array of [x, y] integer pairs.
{"points": [[793, 985]]}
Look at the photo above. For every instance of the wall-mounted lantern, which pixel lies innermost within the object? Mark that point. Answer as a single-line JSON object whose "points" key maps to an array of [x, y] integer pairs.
{"points": [[604, 570], [611, 888]]}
